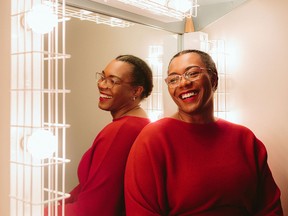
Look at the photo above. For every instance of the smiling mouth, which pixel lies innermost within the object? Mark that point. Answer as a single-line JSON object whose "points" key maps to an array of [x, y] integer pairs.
{"points": [[188, 95], [105, 96]]}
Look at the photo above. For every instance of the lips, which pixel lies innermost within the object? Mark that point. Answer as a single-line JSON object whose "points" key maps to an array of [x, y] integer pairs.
{"points": [[187, 95]]}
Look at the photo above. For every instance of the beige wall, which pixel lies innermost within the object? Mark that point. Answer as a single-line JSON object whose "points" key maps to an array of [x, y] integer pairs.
{"points": [[92, 47], [5, 105], [257, 36]]}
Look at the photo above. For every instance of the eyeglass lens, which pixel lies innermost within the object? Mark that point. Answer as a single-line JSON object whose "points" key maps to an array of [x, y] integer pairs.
{"points": [[109, 82], [191, 75]]}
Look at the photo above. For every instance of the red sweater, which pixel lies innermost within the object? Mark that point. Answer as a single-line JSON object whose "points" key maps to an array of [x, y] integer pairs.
{"points": [[219, 169], [101, 170]]}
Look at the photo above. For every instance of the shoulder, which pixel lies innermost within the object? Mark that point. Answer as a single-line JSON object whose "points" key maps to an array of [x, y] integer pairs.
{"points": [[243, 133], [130, 121], [163, 123], [234, 127], [124, 125], [153, 137], [160, 129]]}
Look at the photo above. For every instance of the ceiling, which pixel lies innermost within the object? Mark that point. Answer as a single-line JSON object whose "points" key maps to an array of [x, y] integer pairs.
{"points": [[208, 12]]}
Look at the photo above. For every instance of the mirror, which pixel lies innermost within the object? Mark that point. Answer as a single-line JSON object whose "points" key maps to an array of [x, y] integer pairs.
{"points": [[92, 46]]}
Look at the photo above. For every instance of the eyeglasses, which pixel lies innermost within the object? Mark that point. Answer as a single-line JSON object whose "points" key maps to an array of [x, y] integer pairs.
{"points": [[109, 81], [194, 73]]}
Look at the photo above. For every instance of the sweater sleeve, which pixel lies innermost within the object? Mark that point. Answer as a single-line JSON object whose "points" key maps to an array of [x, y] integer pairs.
{"points": [[101, 171], [73, 194], [100, 197], [268, 201], [144, 193]]}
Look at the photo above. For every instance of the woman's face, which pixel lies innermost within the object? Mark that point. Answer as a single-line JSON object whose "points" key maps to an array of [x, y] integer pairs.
{"points": [[196, 97], [119, 97]]}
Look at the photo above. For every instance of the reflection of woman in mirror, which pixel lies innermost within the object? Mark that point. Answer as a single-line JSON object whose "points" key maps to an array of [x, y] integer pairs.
{"points": [[123, 84], [193, 163]]}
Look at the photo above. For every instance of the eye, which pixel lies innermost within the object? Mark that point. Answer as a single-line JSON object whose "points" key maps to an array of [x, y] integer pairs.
{"points": [[173, 79], [113, 80], [192, 73], [102, 77]]}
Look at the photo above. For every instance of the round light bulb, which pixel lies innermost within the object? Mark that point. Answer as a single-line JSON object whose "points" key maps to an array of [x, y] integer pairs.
{"points": [[42, 144], [41, 19], [182, 6]]}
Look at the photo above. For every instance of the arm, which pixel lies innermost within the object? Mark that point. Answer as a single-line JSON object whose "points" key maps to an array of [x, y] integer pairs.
{"points": [[145, 193], [103, 191], [73, 194], [97, 199], [268, 201], [73, 197], [101, 171]]}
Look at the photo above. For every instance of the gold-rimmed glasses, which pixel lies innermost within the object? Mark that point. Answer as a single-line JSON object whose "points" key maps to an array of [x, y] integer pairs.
{"points": [[109, 81], [192, 74]]}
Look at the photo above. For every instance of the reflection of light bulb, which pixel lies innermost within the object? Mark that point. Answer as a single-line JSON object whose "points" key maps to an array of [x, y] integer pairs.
{"points": [[41, 19], [182, 6], [42, 144]]}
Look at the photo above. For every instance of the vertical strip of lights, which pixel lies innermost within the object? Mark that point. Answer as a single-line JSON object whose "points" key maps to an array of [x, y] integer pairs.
{"points": [[38, 92]]}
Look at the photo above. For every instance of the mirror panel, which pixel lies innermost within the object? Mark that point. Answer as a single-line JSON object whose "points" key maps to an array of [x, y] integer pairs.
{"points": [[92, 47]]}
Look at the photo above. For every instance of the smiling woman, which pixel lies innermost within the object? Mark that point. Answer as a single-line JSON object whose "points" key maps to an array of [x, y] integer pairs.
{"points": [[193, 163], [100, 190]]}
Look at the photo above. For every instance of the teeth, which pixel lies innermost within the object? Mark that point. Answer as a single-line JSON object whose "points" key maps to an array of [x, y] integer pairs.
{"points": [[187, 95], [105, 96]]}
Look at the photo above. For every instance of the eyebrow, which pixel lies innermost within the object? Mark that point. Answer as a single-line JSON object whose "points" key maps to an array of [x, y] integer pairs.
{"points": [[103, 72], [186, 69]]}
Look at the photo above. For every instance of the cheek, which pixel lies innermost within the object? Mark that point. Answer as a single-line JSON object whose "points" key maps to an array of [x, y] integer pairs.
{"points": [[124, 94], [207, 83], [208, 90], [174, 97], [172, 92]]}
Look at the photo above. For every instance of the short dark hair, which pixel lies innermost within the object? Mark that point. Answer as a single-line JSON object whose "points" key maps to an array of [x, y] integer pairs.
{"points": [[206, 59], [141, 75]]}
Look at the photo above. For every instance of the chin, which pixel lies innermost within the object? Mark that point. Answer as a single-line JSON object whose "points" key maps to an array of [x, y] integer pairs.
{"points": [[103, 108]]}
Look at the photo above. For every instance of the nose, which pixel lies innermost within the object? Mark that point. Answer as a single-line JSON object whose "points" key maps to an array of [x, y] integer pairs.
{"points": [[102, 84], [184, 81]]}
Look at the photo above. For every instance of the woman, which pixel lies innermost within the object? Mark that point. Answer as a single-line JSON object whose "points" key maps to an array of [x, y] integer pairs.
{"points": [[123, 84], [193, 163]]}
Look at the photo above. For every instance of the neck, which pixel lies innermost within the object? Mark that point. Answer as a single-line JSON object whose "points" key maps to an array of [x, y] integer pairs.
{"points": [[126, 112], [201, 118]]}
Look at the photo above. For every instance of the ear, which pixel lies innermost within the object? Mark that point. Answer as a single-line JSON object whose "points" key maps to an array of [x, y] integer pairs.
{"points": [[138, 91], [214, 81]]}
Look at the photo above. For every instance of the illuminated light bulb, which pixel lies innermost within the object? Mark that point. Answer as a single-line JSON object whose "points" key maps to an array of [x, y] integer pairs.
{"points": [[42, 144], [182, 6], [41, 19]]}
